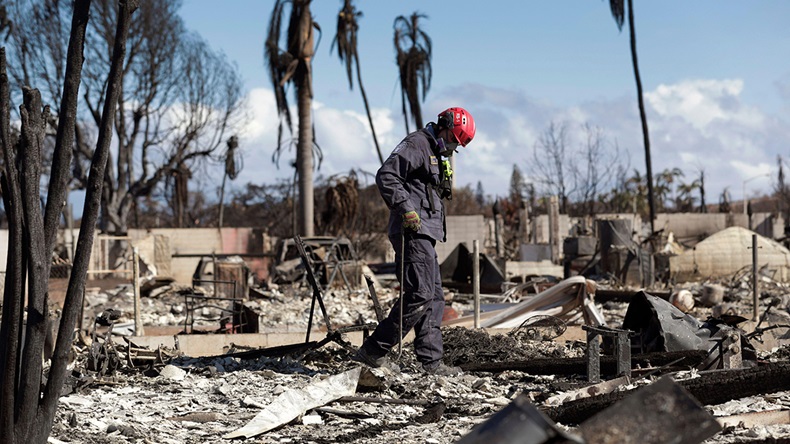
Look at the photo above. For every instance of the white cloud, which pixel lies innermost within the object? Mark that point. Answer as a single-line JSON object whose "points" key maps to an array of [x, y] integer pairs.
{"points": [[483, 161], [344, 137], [701, 102], [694, 125], [262, 107], [748, 170], [687, 157], [753, 176]]}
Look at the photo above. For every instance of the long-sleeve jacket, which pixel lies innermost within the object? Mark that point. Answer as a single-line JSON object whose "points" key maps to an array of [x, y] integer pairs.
{"points": [[406, 182]]}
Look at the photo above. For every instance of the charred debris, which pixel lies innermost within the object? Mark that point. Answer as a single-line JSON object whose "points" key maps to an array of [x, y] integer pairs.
{"points": [[612, 350]]}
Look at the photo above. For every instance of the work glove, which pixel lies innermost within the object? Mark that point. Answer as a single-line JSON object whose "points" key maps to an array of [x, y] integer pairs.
{"points": [[411, 221]]}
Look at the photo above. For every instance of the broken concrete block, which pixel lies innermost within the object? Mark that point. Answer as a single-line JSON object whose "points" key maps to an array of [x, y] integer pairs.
{"points": [[173, 373]]}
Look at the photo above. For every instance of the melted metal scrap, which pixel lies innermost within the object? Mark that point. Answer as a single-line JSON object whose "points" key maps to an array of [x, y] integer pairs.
{"points": [[573, 293], [105, 357], [539, 328]]}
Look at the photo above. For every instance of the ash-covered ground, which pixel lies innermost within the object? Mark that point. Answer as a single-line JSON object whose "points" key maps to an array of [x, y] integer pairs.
{"points": [[198, 400]]}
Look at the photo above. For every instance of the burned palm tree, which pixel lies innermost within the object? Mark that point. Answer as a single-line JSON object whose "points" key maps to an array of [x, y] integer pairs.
{"points": [[703, 207], [665, 182], [342, 203], [413, 55], [294, 65], [346, 41], [618, 12], [725, 205]]}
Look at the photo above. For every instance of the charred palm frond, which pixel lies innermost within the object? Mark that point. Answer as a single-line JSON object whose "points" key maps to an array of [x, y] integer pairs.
{"points": [[234, 161], [618, 12], [346, 41], [279, 64], [292, 65], [413, 55], [346, 37], [342, 203]]}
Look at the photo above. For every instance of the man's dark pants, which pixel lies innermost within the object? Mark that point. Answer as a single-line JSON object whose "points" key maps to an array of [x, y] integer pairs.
{"points": [[423, 303]]}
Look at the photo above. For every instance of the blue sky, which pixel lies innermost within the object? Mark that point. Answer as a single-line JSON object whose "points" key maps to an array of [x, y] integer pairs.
{"points": [[716, 77]]}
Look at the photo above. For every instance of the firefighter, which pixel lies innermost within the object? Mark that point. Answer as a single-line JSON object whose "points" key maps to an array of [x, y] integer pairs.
{"points": [[413, 181]]}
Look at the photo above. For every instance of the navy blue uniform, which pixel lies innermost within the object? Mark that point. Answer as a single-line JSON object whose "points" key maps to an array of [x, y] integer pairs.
{"points": [[406, 182]]}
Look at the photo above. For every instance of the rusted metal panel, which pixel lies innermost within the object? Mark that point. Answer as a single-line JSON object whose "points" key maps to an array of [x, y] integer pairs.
{"points": [[227, 273], [622, 351]]}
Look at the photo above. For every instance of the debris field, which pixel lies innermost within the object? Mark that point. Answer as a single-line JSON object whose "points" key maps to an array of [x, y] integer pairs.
{"points": [[119, 392]]}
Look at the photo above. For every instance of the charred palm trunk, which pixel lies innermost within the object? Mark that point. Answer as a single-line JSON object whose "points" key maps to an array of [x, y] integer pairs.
{"points": [[367, 110], [413, 95], [181, 194], [222, 200], [643, 117], [304, 162], [304, 147]]}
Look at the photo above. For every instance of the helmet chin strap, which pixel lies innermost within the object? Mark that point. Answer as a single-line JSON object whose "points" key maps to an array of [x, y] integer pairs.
{"points": [[442, 146], [443, 149]]}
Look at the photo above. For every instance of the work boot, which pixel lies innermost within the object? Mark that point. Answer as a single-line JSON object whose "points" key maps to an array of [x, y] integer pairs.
{"points": [[441, 369], [363, 357]]}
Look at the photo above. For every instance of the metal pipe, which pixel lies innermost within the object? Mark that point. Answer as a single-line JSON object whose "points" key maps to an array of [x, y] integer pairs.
{"points": [[222, 255], [476, 279], [138, 322], [400, 297], [755, 289]]}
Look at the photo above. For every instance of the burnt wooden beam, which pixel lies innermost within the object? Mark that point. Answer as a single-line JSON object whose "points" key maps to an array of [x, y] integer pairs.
{"points": [[710, 388], [602, 295], [578, 366]]}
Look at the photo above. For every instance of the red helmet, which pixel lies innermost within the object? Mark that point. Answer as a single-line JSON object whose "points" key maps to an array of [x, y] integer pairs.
{"points": [[460, 122]]}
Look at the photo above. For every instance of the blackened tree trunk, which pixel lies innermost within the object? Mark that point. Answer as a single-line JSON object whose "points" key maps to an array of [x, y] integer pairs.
{"points": [[90, 215], [14, 278], [37, 267], [26, 410]]}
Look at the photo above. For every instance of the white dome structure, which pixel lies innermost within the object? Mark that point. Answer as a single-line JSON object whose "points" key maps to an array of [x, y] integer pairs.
{"points": [[728, 251]]}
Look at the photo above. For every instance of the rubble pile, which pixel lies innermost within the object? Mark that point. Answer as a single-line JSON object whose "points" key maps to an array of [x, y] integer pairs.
{"points": [[202, 399], [286, 309], [121, 393], [463, 346]]}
